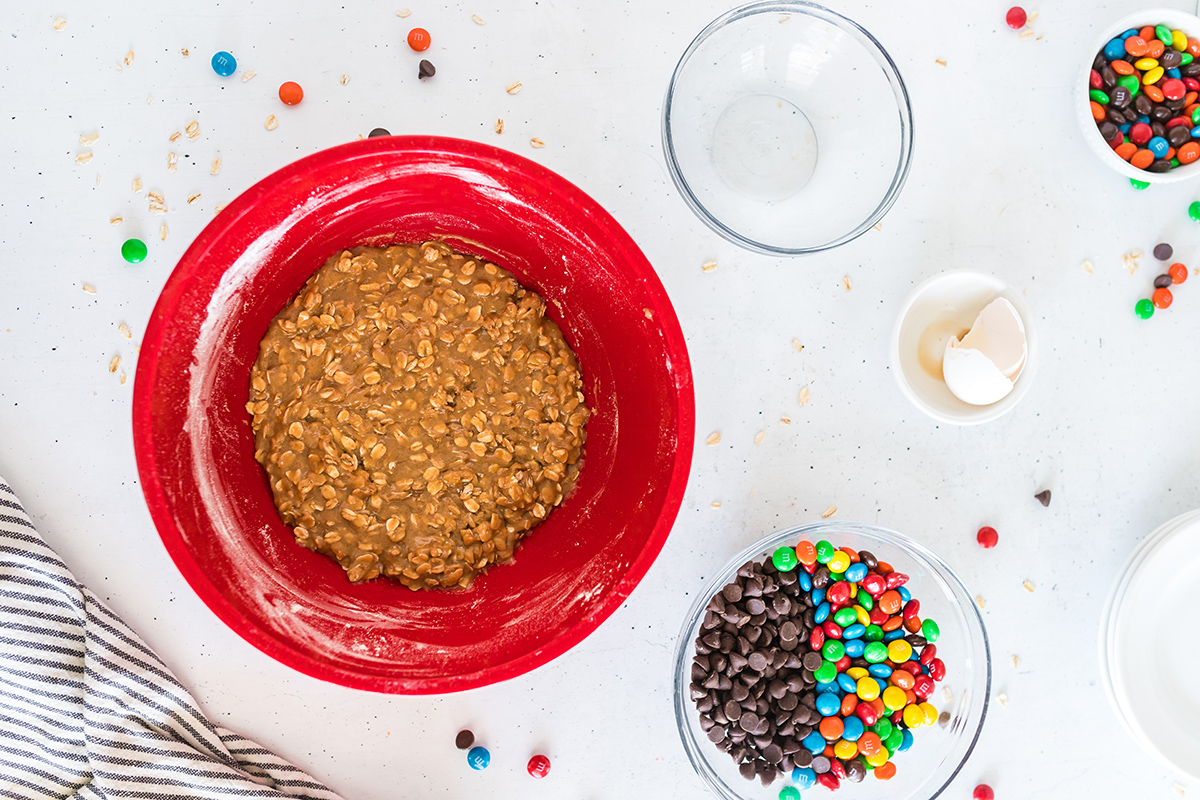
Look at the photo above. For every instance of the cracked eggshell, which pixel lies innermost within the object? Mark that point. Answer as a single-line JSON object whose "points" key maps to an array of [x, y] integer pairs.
{"points": [[999, 334], [972, 376]]}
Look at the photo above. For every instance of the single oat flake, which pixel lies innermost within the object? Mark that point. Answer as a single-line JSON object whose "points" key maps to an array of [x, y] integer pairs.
{"points": [[114, 365], [174, 137], [185, 52], [713, 438], [89, 140], [499, 126], [83, 157], [1088, 267], [715, 504], [123, 329], [193, 198], [941, 62], [1002, 699], [158, 203], [248, 74], [804, 396], [60, 23], [344, 80], [846, 283], [403, 13], [1016, 661], [785, 420], [1179, 789], [979, 601], [115, 221], [136, 185], [163, 231], [536, 143], [758, 437], [216, 167], [271, 123], [829, 512], [797, 346], [708, 266], [192, 130], [514, 87], [122, 377], [129, 59], [478, 20], [1026, 34], [1028, 585], [89, 289], [172, 161]]}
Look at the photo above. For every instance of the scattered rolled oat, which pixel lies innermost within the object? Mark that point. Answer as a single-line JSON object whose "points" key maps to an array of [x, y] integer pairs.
{"points": [[114, 364], [136, 185], [344, 79], [713, 438], [536, 143], [941, 62], [758, 437], [878, 226], [218, 209], [122, 377], [123, 329], [1016, 661], [1178, 788], [193, 198], [1028, 585], [60, 23], [708, 266], [499, 126], [785, 420], [1002, 699], [715, 504], [89, 289], [478, 20], [846, 283], [174, 137], [647, 313], [185, 52], [89, 140], [403, 13], [149, 100], [97, 178], [1026, 34], [514, 87], [980, 601], [804, 396], [248, 74], [83, 157], [163, 231], [947, 694], [158, 203], [172, 161], [192, 130], [216, 167], [115, 221], [129, 59], [1088, 267], [1132, 260], [829, 512], [271, 123]]}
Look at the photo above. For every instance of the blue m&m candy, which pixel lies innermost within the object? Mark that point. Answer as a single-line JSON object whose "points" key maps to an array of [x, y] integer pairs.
{"points": [[804, 778], [1158, 146], [224, 64], [479, 757], [1114, 49]]}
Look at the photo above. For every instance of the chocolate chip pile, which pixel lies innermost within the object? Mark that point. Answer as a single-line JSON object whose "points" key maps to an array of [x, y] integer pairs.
{"points": [[752, 676]]}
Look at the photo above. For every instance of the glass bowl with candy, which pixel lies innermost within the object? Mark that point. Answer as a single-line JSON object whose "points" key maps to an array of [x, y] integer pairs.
{"points": [[839, 654], [1138, 96]]}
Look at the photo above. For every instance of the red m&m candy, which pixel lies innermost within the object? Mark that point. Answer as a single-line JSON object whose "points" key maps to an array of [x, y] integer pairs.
{"points": [[987, 537], [1016, 18]]}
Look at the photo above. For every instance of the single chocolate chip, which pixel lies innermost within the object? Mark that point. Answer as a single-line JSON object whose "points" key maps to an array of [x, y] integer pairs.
{"points": [[788, 631], [767, 776], [1043, 496], [748, 721], [747, 770], [732, 592], [781, 603], [758, 661], [378, 132], [788, 702], [426, 69], [1163, 251], [755, 606], [803, 758], [773, 753], [1161, 282], [753, 588], [820, 765], [812, 661], [464, 740]]}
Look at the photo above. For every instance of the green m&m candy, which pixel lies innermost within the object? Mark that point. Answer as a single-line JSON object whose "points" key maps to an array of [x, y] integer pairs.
{"points": [[930, 630], [826, 673], [1144, 308], [825, 552], [875, 652], [134, 251], [785, 559]]}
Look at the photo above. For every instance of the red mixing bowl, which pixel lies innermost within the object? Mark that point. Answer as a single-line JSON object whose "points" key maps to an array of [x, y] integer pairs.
{"points": [[210, 499]]}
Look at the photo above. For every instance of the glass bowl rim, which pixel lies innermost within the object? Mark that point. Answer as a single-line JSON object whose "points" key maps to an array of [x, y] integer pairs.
{"points": [[753, 550], [883, 58]]}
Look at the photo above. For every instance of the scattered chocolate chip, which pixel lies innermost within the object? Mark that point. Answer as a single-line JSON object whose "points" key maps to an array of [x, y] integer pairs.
{"points": [[378, 132], [1161, 282], [426, 69], [1163, 251], [1043, 496], [464, 740]]}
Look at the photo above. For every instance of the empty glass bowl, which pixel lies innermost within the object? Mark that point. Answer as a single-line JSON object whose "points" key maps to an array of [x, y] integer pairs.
{"points": [[787, 128], [938, 752]]}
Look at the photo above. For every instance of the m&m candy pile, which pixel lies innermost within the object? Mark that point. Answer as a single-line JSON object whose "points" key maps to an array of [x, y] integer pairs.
{"points": [[1143, 88], [816, 663], [1162, 298]]}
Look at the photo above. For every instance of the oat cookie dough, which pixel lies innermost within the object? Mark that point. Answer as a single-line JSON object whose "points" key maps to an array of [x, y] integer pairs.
{"points": [[416, 413]]}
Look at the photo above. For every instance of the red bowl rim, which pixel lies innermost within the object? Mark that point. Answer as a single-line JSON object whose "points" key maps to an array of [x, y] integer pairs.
{"points": [[193, 572]]}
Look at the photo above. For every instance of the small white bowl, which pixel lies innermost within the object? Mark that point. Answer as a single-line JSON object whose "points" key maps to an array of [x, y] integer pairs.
{"points": [[939, 307], [1175, 20]]}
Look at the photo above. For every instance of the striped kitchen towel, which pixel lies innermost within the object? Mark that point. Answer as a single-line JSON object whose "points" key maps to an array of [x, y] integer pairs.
{"points": [[87, 710]]}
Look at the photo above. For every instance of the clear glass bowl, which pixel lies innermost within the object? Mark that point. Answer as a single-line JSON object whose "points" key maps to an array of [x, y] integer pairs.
{"points": [[925, 770], [787, 128]]}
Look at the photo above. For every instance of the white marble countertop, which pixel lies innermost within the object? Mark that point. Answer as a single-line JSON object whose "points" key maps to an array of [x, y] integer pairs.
{"points": [[1001, 181]]}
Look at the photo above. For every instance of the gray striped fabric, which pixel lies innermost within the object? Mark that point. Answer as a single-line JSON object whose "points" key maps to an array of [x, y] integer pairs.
{"points": [[88, 711]]}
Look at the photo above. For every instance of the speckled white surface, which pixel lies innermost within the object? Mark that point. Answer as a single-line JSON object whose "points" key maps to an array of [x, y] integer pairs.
{"points": [[1001, 181]]}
